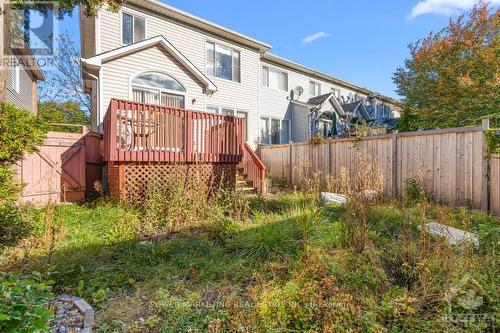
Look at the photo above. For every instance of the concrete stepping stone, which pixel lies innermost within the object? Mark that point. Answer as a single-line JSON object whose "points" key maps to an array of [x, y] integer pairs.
{"points": [[454, 236], [327, 198]]}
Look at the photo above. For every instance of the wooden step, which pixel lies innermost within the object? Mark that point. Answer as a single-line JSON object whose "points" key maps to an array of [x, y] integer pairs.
{"points": [[243, 183], [247, 190]]}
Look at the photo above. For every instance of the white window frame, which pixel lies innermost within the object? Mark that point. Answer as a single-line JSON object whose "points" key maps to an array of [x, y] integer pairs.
{"points": [[317, 88], [275, 69], [230, 47], [134, 15], [16, 77], [156, 89], [270, 119]]}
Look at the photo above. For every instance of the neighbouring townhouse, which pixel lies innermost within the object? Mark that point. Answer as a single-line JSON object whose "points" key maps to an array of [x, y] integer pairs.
{"points": [[23, 75], [152, 53]]}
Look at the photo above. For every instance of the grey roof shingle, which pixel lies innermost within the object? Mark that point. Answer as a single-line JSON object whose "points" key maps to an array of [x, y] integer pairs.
{"points": [[318, 100], [350, 107]]}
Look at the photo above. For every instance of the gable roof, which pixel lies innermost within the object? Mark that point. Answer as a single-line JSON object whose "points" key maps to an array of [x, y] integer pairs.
{"points": [[351, 108], [97, 60], [318, 100]]}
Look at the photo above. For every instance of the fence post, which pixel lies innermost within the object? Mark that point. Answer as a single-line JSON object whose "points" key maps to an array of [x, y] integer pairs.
{"points": [[395, 165], [329, 142], [485, 190], [290, 171]]}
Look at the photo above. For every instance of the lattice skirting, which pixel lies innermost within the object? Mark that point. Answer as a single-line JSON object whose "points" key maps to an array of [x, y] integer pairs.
{"points": [[129, 181]]}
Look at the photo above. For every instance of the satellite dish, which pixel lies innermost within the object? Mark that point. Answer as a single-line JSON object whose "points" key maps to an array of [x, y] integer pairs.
{"points": [[298, 90]]}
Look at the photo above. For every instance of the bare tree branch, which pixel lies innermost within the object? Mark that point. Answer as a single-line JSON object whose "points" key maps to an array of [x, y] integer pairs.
{"points": [[64, 82]]}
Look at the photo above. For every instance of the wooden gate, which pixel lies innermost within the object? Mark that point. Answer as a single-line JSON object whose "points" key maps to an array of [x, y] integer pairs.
{"points": [[57, 172]]}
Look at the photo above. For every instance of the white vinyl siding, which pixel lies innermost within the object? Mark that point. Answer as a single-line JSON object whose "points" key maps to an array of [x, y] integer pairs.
{"points": [[15, 78], [274, 78]]}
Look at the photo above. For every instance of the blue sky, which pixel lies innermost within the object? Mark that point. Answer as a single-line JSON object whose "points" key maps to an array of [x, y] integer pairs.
{"points": [[361, 41]]}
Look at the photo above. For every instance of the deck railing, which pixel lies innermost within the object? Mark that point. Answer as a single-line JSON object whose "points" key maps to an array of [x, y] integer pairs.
{"points": [[254, 169], [152, 133]]}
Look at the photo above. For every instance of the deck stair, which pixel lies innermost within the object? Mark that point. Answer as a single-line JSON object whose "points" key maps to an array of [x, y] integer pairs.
{"points": [[243, 185], [251, 169]]}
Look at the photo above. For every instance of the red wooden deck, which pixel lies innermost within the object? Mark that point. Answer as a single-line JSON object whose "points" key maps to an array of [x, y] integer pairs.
{"points": [[137, 132]]}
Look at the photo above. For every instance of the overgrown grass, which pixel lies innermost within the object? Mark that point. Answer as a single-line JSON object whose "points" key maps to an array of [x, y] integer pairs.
{"points": [[279, 264]]}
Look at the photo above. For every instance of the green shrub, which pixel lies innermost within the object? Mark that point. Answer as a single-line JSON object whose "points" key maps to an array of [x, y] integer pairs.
{"points": [[23, 304], [412, 191], [13, 226], [22, 132], [488, 229], [9, 188]]}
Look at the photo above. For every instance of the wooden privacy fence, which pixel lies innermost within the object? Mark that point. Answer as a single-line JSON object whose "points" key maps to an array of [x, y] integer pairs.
{"points": [[495, 184], [63, 169], [454, 161]]}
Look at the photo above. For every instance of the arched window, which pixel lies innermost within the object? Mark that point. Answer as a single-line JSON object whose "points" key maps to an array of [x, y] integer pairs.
{"points": [[158, 88]]}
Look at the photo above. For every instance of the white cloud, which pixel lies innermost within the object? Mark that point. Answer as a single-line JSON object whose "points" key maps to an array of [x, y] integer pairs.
{"points": [[313, 37], [443, 7]]}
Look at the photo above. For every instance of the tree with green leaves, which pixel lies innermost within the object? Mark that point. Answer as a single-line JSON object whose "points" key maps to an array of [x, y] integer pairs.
{"points": [[452, 78], [68, 112], [22, 132]]}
